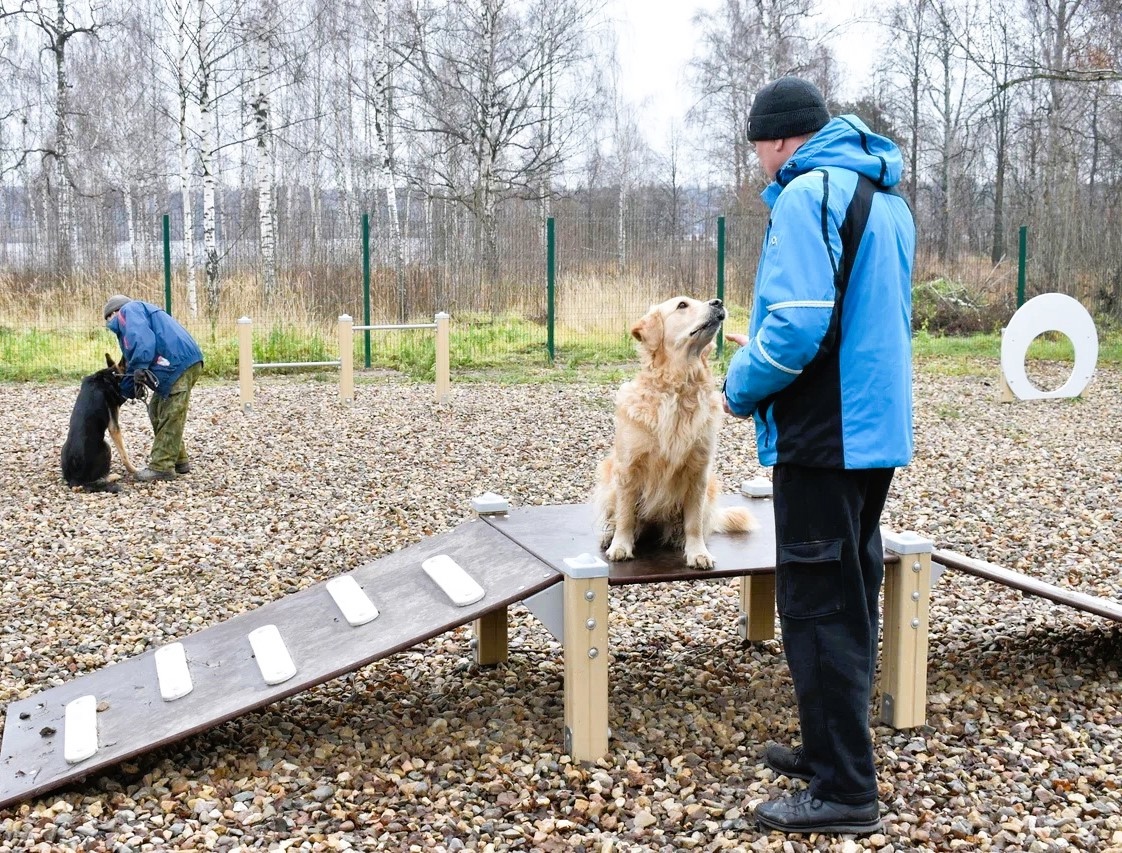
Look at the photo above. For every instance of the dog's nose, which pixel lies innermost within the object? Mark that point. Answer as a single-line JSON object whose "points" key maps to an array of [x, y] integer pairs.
{"points": [[716, 303]]}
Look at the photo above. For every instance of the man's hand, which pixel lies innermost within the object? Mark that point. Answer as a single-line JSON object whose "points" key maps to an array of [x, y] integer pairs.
{"points": [[728, 411], [145, 378], [142, 380], [740, 341]]}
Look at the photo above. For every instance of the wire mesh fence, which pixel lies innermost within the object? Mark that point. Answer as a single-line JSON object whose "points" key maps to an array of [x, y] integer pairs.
{"points": [[493, 282]]}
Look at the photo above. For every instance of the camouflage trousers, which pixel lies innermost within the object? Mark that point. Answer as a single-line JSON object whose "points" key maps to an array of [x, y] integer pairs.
{"points": [[169, 416]]}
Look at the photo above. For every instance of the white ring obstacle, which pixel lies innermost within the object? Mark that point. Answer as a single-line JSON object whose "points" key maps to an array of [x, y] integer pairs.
{"points": [[1049, 312]]}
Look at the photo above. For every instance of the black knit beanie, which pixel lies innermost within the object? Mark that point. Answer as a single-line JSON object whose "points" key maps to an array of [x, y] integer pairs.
{"points": [[789, 106]]}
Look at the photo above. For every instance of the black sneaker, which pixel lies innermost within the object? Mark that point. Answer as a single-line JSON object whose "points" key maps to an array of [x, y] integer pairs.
{"points": [[182, 467], [804, 813], [787, 762]]}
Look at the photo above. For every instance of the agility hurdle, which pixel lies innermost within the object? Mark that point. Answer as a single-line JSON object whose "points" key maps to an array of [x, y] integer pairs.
{"points": [[345, 362]]}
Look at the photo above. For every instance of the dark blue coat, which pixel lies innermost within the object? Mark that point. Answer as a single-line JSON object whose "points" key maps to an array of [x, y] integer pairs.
{"points": [[151, 339]]}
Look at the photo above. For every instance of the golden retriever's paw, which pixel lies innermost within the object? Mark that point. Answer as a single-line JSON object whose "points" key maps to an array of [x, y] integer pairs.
{"points": [[606, 536], [700, 559], [619, 551]]}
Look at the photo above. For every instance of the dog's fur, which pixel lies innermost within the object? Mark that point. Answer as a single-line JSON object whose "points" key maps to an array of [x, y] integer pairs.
{"points": [[85, 453], [658, 477]]}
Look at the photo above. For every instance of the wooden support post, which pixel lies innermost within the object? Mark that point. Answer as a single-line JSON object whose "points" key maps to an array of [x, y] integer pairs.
{"points": [[1005, 392], [586, 666], [443, 372], [907, 603], [491, 644], [491, 629], [245, 362], [757, 607], [346, 359]]}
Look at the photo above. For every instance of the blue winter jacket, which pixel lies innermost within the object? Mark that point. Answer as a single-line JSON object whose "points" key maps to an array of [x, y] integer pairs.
{"points": [[827, 370], [152, 340]]}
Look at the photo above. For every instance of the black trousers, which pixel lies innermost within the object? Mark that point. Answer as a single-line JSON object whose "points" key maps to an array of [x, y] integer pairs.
{"points": [[829, 572]]}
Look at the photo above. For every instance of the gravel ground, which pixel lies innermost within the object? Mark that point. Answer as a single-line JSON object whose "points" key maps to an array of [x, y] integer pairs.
{"points": [[425, 751]]}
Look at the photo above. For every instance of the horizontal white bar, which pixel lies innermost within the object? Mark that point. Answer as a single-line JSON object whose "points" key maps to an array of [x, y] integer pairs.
{"points": [[79, 740], [355, 605], [394, 328], [457, 584], [272, 655], [296, 364], [171, 668]]}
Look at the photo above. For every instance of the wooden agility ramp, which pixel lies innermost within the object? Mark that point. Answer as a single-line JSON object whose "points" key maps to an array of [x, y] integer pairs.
{"points": [[546, 557], [120, 711]]}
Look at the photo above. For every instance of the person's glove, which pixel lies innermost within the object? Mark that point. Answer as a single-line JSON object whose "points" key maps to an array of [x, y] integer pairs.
{"points": [[142, 380]]}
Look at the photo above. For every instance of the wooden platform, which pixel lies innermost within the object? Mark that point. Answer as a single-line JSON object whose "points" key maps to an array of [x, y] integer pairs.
{"points": [[552, 533]]}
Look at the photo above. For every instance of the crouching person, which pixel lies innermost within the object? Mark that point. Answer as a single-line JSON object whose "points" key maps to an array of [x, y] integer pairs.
{"points": [[161, 356]]}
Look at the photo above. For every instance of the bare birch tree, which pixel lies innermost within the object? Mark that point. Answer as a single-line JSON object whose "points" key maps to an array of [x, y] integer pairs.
{"points": [[260, 29], [480, 67], [57, 23], [371, 82]]}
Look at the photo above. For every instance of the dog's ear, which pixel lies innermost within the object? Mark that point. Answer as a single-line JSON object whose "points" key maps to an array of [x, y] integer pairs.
{"points": [[109, 362], [649, 330]]}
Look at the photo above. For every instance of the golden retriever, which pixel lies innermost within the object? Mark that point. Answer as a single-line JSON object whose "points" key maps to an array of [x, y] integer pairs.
{"points": [[659, 476]]}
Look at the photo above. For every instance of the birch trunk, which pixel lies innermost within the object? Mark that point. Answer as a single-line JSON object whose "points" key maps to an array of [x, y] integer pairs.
{"points": [[621, 227], [208, 117], [383, 152], [210, 213], [63, 200], [264, 166], [130, 225], [182, 78]]}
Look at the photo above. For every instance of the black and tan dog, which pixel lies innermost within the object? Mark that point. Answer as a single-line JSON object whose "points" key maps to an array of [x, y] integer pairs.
{"points": [[85, 454]]}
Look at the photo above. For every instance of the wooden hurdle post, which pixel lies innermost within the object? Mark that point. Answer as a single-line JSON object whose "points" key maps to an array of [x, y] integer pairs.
{"points": [[346, 359], [245, 362], [443, 374]]}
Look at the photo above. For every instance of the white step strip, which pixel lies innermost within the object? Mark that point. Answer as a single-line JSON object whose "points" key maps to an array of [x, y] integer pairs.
{"points": [[171, 669], [355, 605], [79, 740], [272, 654], [457, 584]]}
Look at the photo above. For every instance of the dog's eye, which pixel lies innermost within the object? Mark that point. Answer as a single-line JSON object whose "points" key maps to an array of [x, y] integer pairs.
{"points": [[682, 305]]}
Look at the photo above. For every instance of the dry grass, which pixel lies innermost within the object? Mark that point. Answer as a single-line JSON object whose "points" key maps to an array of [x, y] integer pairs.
{"points": [[610, 305]]}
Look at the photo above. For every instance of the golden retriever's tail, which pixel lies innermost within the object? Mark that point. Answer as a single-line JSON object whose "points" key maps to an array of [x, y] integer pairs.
{"points": [[733, 519]]}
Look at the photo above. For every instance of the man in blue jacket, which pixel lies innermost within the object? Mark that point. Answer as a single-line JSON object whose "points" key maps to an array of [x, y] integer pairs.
{"points": [[157, 349], [825, 372]]}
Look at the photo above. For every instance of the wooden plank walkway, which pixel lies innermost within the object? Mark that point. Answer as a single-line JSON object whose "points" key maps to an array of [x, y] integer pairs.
{"points": [[1104, 607]]}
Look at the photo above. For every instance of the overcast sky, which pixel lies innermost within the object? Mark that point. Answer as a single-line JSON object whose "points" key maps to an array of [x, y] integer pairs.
{"points": [[657, 40]]}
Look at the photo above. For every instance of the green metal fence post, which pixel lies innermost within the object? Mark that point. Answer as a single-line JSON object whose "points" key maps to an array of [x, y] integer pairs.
{"points": [[1022, 256], [167, 263], [720, 276], [366, 288], [550, 284]]}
